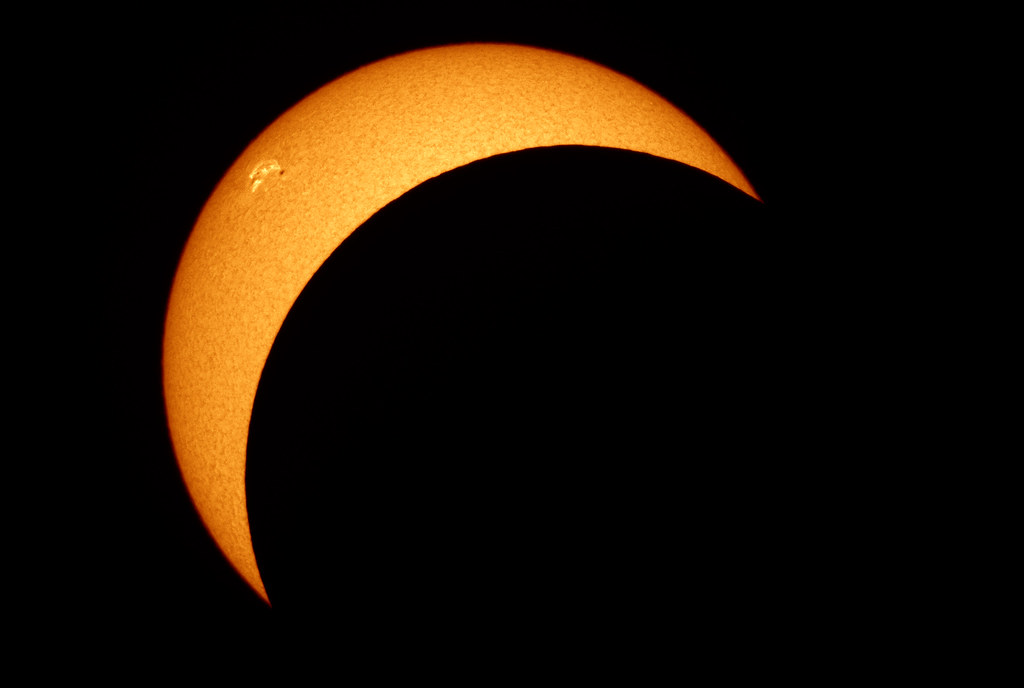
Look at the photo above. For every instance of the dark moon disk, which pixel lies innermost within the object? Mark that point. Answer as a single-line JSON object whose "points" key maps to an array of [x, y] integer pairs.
{"points": [[535, 391]]}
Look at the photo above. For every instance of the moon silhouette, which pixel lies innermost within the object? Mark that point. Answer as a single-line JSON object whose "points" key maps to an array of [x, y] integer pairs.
{"points": [[322, 170]]}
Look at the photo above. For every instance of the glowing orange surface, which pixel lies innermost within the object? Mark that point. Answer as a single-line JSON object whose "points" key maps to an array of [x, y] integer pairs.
{"points": [[325, 167]]}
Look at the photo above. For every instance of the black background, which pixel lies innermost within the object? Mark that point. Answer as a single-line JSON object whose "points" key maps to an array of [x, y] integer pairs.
{"points": [[181, 96]]}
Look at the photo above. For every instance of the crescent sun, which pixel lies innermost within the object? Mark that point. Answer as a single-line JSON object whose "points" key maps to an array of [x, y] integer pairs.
{"points": [[319, 172]]}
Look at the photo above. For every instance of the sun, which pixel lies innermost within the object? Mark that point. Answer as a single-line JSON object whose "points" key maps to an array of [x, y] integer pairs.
{"points": [[319, 172]]}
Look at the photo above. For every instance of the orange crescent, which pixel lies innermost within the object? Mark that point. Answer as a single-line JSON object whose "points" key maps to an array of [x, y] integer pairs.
{"points": [[319, 172]]}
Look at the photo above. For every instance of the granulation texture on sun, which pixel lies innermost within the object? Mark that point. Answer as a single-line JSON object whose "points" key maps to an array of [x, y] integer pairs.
{"points": [[325, 167]]}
